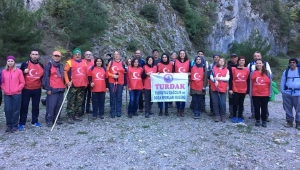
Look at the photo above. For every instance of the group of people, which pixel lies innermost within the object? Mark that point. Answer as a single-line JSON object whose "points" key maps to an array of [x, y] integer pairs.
{"points": [[88, 79]]}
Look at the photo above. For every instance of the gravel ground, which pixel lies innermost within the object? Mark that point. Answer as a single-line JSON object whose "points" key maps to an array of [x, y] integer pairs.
{"points": [[154, 143]]}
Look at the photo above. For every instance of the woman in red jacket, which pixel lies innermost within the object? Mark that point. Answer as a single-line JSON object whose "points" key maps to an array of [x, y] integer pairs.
{"points": [[135, 86], [149, 68], [181, 65], [238, 88], [218, 84], [99, 86], [198, 84], [12, 85], [260, 91], [164, 66]]}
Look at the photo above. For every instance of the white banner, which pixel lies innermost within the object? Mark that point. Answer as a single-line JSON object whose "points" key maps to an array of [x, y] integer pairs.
{"points": [[167, 87]]}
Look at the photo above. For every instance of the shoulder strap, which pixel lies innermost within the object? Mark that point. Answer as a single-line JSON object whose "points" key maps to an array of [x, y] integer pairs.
{"points": [[92, 68]]}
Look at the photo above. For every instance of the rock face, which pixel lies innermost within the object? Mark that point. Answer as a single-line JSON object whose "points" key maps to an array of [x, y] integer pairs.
{"points": [[235, 21]]}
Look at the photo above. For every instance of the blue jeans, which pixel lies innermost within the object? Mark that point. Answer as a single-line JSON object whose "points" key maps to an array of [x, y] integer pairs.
{"points": [[115, 99], [98, 99], [12, 105], [134, 101], [180, 105], [197, 102], [35, 96], [160, 105]]}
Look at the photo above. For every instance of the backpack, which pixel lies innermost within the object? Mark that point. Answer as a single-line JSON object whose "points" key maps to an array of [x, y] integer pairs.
{"points": [[286, 74]]}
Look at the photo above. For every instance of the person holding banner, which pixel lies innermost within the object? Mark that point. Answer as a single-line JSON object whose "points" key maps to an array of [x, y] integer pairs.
{"points": [[164, 66], [115, 72], [198, 83], [181, 65], [149, 68], [135, 86], [99, 86], [218, 82], [238, 84]]}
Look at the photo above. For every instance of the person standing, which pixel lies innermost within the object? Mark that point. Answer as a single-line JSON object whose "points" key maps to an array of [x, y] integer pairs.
{"points": [[86, 102], [231, 64], [218, 83], [149, 69], [115, 72], [216, 58], [75, 74], [238, 83], [165, 66], [53, 83], [252, 67], [198, 83], [12, 83], [182, 65], [33, 72], [99, 86], [260, 91], [155, 56], [290, 89], [141, 63], [135, 86]]}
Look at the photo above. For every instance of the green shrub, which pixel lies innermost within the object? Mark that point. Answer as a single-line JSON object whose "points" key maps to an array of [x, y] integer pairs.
{"points": [[132, 45], [150, 12], [18, 33], [179, 5]]}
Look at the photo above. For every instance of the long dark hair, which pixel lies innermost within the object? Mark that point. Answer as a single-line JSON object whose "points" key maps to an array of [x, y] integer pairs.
{"points": [[147, 59], [168, 59], [95, 62], [263, 68], [133, 60], [185, 58]]}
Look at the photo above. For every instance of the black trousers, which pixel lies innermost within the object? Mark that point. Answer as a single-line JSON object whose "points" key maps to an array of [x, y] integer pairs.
{"points": [[260, 107], [238, 102]]}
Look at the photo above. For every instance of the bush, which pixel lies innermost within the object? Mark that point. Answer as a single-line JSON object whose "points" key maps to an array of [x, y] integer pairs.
{"points": [[150, 12], [132, 45], [179, 5], [18, 33], [79, 20]]}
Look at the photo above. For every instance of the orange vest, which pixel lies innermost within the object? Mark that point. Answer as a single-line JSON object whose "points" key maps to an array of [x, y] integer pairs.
{"points": [[161, 68], [239, 79], [197, 78], [55, 80], [98, 78], [89, 64], [79, 73], [222, 86], [33, 77], [260, 84], [182, 67], [135, 78], [116, 67], [147, 82]]}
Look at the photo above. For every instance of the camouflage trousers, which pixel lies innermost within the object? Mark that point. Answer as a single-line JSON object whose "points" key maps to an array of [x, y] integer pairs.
{"points": [[75, 98]]}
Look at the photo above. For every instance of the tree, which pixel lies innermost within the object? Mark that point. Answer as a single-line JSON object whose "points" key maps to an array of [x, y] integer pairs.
{"points": [[17, 31], [247, 48], [80, 20]]}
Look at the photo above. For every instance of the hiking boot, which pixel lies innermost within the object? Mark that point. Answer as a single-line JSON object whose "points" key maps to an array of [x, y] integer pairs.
{"points": [[49, 124], [59, 122], [147, 115], [181, 112], [135, 114], [298, 125], [178, 112], [268, 120], [14, 129], [166, 112], [101, 117], [223, 118], [94, 117], [240, 120], [289, 124], [196, 115], [37, 124], [8, 129], [233, 120], [160, 112], [264, 124], [76, 118], [257, 123], [217, 118], [252, 116], [21, 127], [130, 115]]}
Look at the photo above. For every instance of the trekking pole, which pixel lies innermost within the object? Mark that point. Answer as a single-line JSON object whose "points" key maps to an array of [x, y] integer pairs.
{"points": [[60, 107], [126, 98]]}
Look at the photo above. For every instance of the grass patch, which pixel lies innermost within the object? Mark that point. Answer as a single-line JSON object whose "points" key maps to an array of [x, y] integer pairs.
{"points": [[82, 132], [145, 126]]}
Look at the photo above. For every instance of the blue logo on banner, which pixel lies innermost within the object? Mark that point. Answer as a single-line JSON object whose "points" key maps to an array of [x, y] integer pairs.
{"points": [[168, 78]]}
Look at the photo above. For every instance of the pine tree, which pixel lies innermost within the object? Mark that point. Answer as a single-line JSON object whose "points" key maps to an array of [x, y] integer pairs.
{"points": [[17, 31]]}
